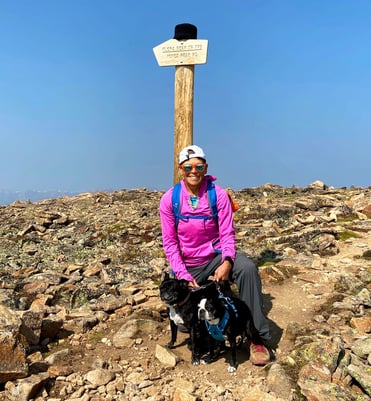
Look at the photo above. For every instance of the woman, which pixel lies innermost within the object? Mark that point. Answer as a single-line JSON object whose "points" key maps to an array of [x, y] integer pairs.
{"points": [[198, 246]]}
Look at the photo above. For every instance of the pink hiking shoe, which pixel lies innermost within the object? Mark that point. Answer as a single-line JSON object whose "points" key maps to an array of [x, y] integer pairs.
{"points": [[259, 354]]}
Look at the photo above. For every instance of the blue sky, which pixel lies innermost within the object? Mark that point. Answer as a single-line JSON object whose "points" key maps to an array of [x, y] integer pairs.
{"points": [[284, 97]]}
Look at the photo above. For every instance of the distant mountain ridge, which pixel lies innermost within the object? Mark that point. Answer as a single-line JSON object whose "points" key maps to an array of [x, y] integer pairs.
{"points": [[8, 197]]}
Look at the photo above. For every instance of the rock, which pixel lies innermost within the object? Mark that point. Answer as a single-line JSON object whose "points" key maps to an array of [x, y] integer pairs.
{"points": [[362, 375], [13, 352], [31, 325], [58, 357], [99, 377], [25, 389], [183, 395], [325, 351], [367, 211], [279, 382], [315, 389], [134, 328], [362, 347], [50, 327], [9, 319], [183, 384], [165, 356], [362, 324], [317, 185], [108, 303], [58, 370]]}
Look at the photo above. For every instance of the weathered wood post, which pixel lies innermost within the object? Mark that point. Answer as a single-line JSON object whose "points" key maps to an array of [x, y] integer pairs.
{"points": [[183, 52]]}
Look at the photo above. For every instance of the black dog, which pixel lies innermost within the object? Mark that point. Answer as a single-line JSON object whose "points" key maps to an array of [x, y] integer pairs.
{"points": [[227, 318], [182, 303]]}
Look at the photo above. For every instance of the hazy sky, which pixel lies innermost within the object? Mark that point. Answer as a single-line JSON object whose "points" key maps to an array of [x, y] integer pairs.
{"points": [[284, 97]]}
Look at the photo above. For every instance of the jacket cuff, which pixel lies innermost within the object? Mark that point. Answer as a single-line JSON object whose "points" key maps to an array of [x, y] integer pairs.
{"points": [[230, 260]]}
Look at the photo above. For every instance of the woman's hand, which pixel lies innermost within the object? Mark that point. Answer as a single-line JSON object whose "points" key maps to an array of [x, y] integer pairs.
{"points": [[193, 284], [222, 273]]}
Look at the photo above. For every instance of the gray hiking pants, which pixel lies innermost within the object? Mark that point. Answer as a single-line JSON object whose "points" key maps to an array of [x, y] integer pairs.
{"points": [[246, 276]]}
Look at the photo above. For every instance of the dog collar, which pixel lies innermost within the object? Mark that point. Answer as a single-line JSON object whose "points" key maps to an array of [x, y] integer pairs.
{"points": [[181, 303], [216, 330]]}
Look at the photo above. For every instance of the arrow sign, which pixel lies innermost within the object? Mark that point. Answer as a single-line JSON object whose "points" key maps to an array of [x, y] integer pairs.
{"points": [[181, 52]]}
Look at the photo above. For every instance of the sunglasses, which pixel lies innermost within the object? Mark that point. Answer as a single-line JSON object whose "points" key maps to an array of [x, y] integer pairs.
{"points": [[198, 166]]}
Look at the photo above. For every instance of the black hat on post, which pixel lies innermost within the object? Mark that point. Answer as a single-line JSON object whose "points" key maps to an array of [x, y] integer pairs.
{"points": [[185, 31]]}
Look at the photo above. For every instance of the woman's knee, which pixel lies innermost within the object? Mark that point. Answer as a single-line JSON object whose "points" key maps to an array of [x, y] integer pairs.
{"points": [[244, 265]]}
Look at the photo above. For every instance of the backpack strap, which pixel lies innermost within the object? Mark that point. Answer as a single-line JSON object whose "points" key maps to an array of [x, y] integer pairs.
{"points": [[211, 192], [176, 202]]}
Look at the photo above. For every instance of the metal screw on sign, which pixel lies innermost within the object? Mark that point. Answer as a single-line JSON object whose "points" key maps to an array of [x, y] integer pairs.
{"points": [[183, 52]]}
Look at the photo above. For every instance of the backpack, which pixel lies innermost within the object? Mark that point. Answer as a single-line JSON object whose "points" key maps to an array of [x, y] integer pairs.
{"points": [[211, 193]]}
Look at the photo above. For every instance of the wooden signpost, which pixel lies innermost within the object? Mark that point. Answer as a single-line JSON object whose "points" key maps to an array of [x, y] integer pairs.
{"points": [[183, 52]]}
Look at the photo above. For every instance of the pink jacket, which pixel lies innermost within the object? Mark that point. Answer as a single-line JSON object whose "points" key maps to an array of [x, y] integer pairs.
{"points": [[193, 243]]}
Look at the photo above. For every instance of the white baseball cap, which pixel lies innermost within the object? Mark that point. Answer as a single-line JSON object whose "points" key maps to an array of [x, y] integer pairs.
{"points": [[190, 152]]}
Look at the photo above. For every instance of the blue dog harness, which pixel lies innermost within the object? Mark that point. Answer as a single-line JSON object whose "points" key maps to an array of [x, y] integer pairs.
{"points": [[216, 330]]}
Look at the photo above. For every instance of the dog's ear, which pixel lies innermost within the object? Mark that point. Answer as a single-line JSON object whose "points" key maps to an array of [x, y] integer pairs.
{"points": [[184, 283], [165, 275]]}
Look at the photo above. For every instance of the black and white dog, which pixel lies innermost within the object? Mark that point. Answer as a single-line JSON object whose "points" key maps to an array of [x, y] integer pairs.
{"points": [[226, 318], [182, 303]]}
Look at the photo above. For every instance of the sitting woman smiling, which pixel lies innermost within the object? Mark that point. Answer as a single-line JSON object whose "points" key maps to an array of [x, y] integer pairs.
{"points": [[198, 245]]}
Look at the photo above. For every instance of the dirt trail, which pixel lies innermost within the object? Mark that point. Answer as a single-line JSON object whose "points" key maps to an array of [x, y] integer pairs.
{"points": [[296, 300], [300, 296]]}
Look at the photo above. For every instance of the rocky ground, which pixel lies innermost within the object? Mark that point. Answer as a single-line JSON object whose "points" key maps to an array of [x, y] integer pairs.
{"points": [[80, 316]]}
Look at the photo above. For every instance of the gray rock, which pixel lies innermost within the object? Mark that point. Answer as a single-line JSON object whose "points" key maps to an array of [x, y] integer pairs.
{"points": [[99, 377], [27, 388], [362, 374], [133, 329], [362, 347]]}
